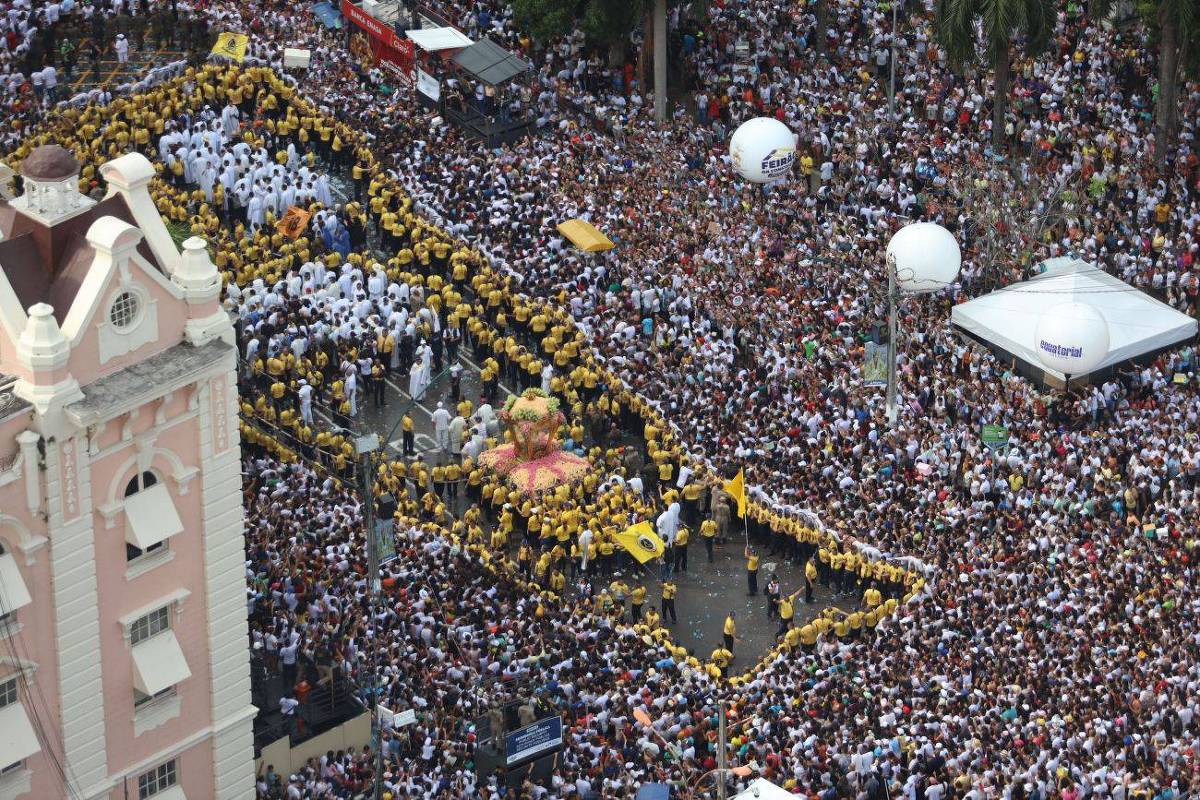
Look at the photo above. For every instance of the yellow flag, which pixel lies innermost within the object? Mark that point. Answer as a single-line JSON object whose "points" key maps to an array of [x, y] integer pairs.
{"points": [[231, 45], [736, 488], [642, 542]]}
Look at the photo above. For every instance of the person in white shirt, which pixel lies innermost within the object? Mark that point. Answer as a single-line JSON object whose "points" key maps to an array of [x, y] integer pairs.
{"points": [[50, 81], [121, 48]]}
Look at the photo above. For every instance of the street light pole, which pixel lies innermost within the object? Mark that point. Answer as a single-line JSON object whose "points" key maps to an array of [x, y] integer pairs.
{"points": [[892, 82], [722, 753], [891, 353], [364, 446]]}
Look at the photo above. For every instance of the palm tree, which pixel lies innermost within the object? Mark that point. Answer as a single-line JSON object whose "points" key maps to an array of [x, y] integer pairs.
{"points": [[1176, 26], [958, 27]]}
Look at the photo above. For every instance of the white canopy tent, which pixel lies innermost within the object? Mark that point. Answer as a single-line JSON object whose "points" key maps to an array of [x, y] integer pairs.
{"points": [[1007, 319], [432, 40], [763, 789]]}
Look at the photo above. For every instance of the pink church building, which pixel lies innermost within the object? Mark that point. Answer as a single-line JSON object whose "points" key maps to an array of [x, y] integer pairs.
{"points": [[124, 666]]}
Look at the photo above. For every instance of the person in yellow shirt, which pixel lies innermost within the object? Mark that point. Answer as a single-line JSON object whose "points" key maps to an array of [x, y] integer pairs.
{"points": [[619, 590], [680, 549], [808, 636], [721, 657], [751, 572], [730, 630], [652, 620], [406, 427], [786, 612], [636, 601], [791, 638], [667, 603], [607, 549], [708, 533]]}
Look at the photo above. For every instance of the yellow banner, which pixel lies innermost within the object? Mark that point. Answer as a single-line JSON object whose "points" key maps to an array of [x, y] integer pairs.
{"points": [[642, 542], [736, 488], [231, 45]]}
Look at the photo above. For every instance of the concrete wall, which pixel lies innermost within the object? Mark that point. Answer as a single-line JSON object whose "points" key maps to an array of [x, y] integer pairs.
{"points": [[352, 734]]}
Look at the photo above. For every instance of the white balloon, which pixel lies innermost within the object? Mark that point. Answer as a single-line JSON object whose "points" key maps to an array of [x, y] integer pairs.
{"points": [[762, 150], [1072, 338], [927, 257]]}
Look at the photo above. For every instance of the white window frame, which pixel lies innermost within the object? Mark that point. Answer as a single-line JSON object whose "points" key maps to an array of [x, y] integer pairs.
{"points": [[147, 700], [139, 310], [9, 686], [160, 617], [113, 342], [157, 782], [171, 601], [155, 553]]}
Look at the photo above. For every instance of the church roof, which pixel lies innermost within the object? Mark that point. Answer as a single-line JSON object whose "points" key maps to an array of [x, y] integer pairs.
{"points": [[49, 162], [48, 264]]}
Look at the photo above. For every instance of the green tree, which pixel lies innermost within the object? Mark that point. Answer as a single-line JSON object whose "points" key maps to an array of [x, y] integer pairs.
{"points": [[1174, 27], [609, 22], [959, 25], [545, 20]]}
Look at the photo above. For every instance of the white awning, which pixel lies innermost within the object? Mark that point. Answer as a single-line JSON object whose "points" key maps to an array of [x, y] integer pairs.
{"points": [[17, 739], [158, 663], [13, 594], [150, 517], [433, 39], [173, 793]]}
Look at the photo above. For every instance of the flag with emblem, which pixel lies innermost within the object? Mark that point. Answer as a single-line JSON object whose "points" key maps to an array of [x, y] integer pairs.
{"points": [[642, 542], [231, 45], [294, 222]]}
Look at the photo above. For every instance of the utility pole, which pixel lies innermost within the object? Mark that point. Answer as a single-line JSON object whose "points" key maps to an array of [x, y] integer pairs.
{"points": [[891, 353], [364, 446], [892, 82], [722, 753], [660, 61]]}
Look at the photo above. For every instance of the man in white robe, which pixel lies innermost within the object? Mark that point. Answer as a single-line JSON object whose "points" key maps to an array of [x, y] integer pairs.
{"points": [[441, 427], [230, 120]]}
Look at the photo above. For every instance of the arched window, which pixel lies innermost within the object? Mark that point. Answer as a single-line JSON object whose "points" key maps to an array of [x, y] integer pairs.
{"points": [[139, 483]]}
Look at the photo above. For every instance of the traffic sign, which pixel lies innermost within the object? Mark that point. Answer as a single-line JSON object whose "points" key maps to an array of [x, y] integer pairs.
{"points": [[994, 436]]}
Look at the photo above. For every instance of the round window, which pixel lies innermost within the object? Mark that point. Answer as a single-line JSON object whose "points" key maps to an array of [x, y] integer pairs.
{"points": [[124, 310]]}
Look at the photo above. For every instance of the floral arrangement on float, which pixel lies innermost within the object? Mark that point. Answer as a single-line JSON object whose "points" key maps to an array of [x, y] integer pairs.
{"points": [[534, 461]]}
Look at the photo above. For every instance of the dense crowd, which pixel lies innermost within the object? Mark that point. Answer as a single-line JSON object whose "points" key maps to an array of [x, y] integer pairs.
{"points": [[1054, 651]]}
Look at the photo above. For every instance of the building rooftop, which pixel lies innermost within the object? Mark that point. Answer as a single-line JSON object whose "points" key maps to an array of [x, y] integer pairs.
{"points": [[47, 264], [49, 162], [145, 380], [10, 404]]}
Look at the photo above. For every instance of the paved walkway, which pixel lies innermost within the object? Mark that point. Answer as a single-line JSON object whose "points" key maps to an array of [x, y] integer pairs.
{"points": [[112, 73]]}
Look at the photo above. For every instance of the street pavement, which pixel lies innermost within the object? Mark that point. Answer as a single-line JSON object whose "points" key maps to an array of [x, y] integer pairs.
{"points": [[706, 592]]}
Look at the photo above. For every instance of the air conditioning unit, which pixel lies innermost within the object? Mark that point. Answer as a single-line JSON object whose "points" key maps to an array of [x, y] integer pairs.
{"points": [[371, 7]]}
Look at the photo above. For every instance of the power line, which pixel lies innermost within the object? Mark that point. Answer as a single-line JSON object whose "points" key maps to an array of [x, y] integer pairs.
{"points": [[30, 688]]}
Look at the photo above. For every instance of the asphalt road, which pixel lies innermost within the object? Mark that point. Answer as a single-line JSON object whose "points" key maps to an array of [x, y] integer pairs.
{"points": [[706, 592]]}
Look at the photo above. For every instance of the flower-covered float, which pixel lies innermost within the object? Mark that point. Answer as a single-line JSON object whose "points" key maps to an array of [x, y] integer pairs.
{"points": [[534, 461]]}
